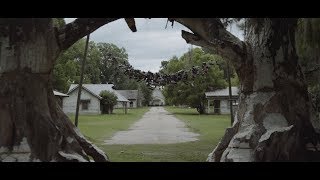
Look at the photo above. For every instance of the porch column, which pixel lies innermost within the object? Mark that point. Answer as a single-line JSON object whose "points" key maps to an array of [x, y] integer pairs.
{"points": [[208, 106], [125, 107]]}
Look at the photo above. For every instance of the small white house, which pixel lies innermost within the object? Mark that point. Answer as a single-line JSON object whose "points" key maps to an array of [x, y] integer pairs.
{"points": [[218, 101], [157, 98], [132, 96], [90, 99]]}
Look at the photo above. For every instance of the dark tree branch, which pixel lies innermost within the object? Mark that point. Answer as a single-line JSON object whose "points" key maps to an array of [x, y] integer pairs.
{"points": [[217, 47], [211, 33], [72, 32], [131, 24]]}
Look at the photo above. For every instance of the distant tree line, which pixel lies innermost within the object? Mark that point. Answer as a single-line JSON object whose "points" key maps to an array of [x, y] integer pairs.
{"points": [[191, 92]]}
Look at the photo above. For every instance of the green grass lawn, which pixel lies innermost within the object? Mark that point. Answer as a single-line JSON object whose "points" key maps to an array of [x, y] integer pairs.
{"points": [[97, 128], [210, 127]]}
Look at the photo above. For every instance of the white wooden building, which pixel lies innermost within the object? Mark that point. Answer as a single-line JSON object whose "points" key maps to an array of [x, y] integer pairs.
{"points": [[90, 99], [218, 101], [132, 96], [157, 98]]}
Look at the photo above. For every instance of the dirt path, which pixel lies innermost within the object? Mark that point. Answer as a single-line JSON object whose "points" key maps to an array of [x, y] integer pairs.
{"points": [[157, 126]]}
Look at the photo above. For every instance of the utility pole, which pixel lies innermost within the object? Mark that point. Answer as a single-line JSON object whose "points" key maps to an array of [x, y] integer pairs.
{"points": [[190, 56], [81, 80], [230, 92]]}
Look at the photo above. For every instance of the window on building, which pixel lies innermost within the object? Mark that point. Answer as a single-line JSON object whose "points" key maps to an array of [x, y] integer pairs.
{"points": [[131, 104], [85, 104]]}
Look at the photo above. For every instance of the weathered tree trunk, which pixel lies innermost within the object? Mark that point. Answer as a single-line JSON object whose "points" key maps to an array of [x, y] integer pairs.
{"points": [[201, 108], [32, 125], [111, 109], [104, 108], [274, 120]]}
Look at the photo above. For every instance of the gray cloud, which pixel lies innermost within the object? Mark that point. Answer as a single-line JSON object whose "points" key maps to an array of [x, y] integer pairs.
{"points": [[150, 45]]}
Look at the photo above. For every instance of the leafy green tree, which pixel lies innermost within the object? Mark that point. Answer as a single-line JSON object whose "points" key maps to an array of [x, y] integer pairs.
{"points": [[191, 92], [92, 68], [145, 94], [111, 57], [109, 100], [171, 66], [235, 80], [67, 68]]}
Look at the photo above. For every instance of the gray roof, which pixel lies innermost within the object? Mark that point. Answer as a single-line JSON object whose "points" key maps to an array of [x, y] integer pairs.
{"points": [[56, 93], [223, 92], [96, 89], [129, 94]]}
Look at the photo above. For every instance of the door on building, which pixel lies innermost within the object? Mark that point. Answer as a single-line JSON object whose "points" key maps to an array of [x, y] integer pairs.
{"points": [[216, 104]]}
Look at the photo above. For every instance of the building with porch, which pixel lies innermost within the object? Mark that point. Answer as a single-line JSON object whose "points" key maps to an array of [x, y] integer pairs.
{"points": [[90, 98], [132, 96], [218, 101]]}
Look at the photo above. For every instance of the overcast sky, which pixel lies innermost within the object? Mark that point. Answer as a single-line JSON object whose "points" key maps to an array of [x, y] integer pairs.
{"points": [[150, 45]]}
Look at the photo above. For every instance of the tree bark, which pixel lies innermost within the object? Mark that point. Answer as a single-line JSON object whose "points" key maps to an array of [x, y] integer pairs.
{"points": [[32, 125], [274, 121], [72, 32]]}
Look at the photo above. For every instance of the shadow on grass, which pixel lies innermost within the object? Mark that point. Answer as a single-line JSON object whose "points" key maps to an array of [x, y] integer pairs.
{"points": [[184, 113], [189, 113]]}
